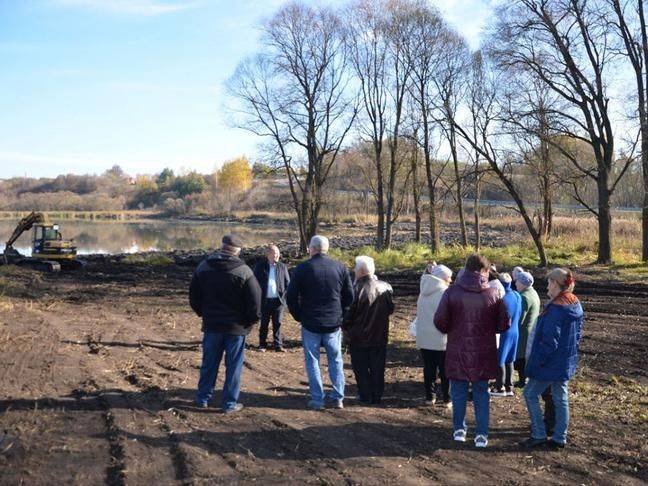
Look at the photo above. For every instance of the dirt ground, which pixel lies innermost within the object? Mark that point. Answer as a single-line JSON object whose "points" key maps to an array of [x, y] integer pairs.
{"points": [[98, 371]]}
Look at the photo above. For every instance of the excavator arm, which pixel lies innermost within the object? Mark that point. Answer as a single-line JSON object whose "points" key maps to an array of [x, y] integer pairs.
{"points": [[25, 224]]}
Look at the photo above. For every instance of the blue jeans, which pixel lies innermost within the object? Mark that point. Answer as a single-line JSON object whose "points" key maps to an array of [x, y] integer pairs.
{"points": [[214, 345], [332, 342], [481, 404], [560, 392]]}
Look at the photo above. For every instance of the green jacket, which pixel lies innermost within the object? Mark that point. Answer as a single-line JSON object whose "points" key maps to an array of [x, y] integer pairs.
{"points": [[530, 311]]}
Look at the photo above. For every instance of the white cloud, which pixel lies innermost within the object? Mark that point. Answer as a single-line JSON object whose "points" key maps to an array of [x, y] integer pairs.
{"points": [[131, 7], [469, 17]]}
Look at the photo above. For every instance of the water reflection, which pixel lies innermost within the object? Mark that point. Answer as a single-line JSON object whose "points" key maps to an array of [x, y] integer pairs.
{"points": [[133, 237]]}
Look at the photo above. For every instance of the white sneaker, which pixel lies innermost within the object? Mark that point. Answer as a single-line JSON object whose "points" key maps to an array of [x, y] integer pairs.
{"points": [[481, 441], [459, 435], [497, 393]]}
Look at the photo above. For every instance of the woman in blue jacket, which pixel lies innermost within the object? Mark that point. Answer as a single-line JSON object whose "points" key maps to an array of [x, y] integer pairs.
{"points": [[553, 357], [508, 340]]}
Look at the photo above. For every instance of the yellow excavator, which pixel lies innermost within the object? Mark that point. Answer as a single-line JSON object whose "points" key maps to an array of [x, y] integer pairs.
{"points": [[50, 252]]}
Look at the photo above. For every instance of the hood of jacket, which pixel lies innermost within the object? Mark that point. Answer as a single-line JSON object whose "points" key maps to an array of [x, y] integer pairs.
{"points": [[222, 261], [431, 285], [473, 282], [569, 304]]}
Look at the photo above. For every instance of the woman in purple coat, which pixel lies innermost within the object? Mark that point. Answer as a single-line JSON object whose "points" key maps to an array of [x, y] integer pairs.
{"points": [[471, 314]]}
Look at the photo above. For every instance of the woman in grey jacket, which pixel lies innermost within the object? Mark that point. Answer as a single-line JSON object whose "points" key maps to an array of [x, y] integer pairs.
{"points": [[429, 339]]}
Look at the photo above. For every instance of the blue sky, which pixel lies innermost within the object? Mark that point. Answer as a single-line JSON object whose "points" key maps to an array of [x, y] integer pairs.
{"points": [[86, 84]]}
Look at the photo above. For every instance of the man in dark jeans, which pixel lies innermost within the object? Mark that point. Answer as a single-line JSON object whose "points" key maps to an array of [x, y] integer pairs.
{"points": [[273, 278], [226, 294], [366, 326]]}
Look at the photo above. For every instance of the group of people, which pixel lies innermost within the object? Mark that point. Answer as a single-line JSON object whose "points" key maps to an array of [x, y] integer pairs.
{"points": [[476, 330]]}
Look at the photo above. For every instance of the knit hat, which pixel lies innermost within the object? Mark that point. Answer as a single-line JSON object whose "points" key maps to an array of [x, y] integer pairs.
{"points": [[232, 240], [516, 271], [525, 278], [441, 272]]}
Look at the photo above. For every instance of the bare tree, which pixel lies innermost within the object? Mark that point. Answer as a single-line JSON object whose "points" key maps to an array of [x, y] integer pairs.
{"points": [[630, 24], [295, 94], [531, 112], [454, 59], [566, 44], [426, 28], [368, 54], [482, 132], [376, 34]]}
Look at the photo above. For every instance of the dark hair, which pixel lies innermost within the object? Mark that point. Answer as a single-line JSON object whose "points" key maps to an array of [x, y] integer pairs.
{"points": [[477, 263]]}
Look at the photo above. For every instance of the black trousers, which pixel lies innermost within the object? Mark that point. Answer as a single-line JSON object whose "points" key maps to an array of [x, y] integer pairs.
{"points": [[519, 365], [433, 367], [504, 377], [368, 363], [272, 309]]}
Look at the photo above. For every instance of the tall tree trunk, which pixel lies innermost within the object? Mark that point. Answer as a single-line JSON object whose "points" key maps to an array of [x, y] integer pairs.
{"points": [[434, 234], [416, 193], [476, 212], [380, 198], [458, 186], [391, 196], [604, 219], [644, 212]]}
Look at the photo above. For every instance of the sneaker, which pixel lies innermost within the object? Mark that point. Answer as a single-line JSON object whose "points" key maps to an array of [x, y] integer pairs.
{"points": [[530, 443], [337, 404], [430, 401], [498, 393], [262, 349], [509, 392], [315, 405], [280, 349], [459, 435], [552, 444], [202, 404], [236, 408], [481, 441]]}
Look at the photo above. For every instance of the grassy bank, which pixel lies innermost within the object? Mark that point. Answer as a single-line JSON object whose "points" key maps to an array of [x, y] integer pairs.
{"points": [[415, 257]]}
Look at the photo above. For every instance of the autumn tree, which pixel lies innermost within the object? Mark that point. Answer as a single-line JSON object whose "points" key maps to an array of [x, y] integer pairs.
{"points": [[234, 178]]}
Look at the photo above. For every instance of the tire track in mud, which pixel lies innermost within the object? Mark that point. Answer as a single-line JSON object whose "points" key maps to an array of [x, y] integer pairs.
{"points": [[263, 423]]}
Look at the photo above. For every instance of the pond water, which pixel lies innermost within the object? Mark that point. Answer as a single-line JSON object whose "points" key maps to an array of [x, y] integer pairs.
{"points": [[163, 235]]}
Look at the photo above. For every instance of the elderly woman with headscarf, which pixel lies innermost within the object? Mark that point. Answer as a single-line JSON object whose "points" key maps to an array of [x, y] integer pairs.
{"points": [[530, 310], [553, 357], [430, 341], [366, 326]]}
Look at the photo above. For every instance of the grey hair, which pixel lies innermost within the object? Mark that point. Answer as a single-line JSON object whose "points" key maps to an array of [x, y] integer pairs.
{"points": [[365, 264], [319, 243]]}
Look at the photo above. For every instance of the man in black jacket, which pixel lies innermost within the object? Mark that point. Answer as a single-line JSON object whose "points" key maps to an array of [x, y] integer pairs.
{"points": [[273, 278], [367, 328], [226, 294], [319, 294]]}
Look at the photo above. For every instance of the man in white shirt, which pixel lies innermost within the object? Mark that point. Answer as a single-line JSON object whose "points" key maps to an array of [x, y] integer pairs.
{"points": [[273, 278]]}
